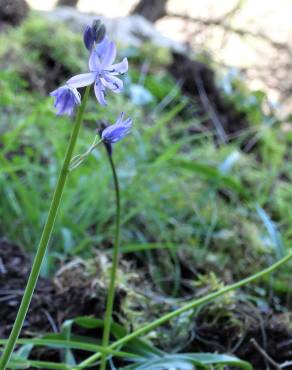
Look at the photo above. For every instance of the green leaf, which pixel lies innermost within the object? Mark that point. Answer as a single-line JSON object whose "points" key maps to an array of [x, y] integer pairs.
{"points": [[189, 361], [24, 351], [137, 346], [58, 341], [211, 173], [274, 234], [164, 120], [20, 363], [140, 247]]}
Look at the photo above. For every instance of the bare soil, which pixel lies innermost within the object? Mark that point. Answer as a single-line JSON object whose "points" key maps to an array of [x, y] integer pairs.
{"points": [[198, 81], [263, 338]]}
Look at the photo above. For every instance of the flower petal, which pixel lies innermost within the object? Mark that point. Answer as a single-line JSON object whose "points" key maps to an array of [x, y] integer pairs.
{"points": [[118, 68], [82, 80], [99, 93], [113, 83], [77, 96], [58, 91], [66, 99], [120, 118], [118, 131], [102, 46], [109, 55], [128, 123], [94, 62]]}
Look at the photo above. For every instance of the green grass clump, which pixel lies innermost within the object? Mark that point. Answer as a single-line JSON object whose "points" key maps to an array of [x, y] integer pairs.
{"points": [[44, 53]]}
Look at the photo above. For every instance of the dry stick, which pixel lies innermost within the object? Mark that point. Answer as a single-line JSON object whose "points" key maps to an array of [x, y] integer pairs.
{"points": [[209, 109], [189, 306], [264, 354], [239, 31]]}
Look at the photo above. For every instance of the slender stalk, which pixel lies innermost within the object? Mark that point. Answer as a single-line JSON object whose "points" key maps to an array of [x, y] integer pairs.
{"points": [[113, 273], [42, 247], [191, 305]]}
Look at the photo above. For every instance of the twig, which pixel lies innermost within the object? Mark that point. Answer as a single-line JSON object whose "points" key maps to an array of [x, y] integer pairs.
{"points": [[265, 355], [231, 13], [209, 109], [239, 31]]}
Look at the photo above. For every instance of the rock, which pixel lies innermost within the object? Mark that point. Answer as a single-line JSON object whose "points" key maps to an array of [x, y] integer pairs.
{"points": [[12, 11], [133, 30]]}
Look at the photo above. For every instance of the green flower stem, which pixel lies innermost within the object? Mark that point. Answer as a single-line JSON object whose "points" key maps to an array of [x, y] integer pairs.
{"points": [[42, 247], [191, 305], [113, 273]]}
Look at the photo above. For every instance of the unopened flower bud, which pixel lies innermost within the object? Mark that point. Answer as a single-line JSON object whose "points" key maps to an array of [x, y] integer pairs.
{"points": [[88, 38], [98, 30]]}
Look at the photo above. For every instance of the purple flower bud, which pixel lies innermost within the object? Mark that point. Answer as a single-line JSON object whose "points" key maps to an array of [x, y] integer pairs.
{"points": [[88, 38], [117, 131], [98, 30], [66, 98]]}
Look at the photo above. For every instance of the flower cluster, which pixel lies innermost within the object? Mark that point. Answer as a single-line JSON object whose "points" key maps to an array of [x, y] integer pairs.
{"points": [[102, 71], [103, 74]]}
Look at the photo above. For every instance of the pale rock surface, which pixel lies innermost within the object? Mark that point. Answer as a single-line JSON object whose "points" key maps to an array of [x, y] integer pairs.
{"points": [[132, 30]]}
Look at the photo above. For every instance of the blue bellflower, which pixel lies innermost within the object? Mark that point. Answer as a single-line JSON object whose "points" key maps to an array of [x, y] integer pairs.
{"points": [[66, 99], [102, 71], [117, 131]]}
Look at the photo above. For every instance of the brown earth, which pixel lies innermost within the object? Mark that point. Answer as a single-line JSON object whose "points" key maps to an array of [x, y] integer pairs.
{"points": [[69, 295], [198, 81], [262, 337]]}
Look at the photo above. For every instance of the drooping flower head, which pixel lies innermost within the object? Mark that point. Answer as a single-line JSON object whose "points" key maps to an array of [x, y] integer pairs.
{"points": [[116, 132], [102, 71], [66, 99]]}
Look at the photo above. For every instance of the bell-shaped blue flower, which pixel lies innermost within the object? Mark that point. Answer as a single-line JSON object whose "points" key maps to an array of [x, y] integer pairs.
{"points": [[66, 99], [102, 71], [117, 131]]}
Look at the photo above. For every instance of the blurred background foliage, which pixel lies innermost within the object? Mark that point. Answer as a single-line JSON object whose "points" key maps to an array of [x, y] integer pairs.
{"points": [[179, 186]]}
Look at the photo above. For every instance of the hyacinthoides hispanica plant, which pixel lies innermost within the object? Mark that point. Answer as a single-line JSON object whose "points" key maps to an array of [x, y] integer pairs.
{"points": [[103, 75]]}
